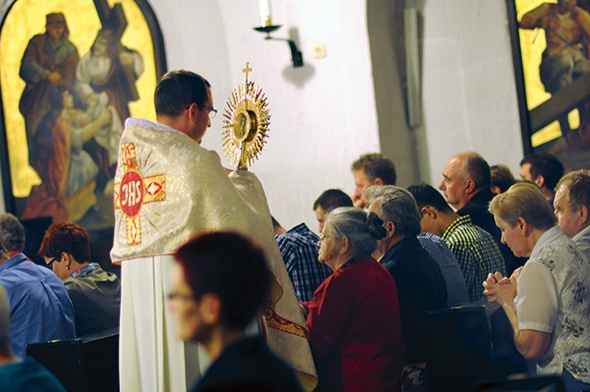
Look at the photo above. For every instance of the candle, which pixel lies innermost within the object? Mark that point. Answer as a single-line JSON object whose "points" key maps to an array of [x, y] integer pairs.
{"points": [[265, 14]]}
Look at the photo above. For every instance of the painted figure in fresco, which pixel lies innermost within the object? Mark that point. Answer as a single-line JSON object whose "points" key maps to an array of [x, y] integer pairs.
{"points": [[67, 171], [567, 32], [113, 69], [109, 67], [48, 62]]}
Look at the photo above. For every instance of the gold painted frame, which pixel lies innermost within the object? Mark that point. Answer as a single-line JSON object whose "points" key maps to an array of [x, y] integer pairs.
{"points": [[553, 122], [135, 29]]}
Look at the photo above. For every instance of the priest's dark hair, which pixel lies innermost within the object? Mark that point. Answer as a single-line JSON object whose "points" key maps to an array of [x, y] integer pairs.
{"points": [[233, 268], [177, 90]]}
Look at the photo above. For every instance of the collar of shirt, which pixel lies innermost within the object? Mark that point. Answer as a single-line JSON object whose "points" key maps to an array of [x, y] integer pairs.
{"points": [[547, 237], [583, 236], [84, 271], [349, 262], [462, 220], [18, 258], [301, 229]]}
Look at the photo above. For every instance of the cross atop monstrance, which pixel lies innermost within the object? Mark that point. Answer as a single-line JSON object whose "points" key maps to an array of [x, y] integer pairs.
{"points": [[247, 70], [245, 124]]}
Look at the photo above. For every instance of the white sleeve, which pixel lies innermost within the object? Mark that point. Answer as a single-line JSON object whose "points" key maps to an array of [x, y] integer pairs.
{"points": [[536, 301]]}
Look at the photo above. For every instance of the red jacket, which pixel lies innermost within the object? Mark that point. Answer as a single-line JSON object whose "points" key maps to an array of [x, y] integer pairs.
{"points": [[355, 330]]}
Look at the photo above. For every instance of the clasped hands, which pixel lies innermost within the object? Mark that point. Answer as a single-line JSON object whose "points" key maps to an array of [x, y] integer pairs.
{"points": [[501, 289]]}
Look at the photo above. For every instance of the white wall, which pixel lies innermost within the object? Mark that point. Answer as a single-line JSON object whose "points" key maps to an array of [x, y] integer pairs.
{"points": [[469, 89], [324, 114]]}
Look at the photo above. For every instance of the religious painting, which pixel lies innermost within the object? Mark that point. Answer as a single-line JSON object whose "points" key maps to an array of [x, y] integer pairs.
{"points": [[552, 64], [72, 72]]}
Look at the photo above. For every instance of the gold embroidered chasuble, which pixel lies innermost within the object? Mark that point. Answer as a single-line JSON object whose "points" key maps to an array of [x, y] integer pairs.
{"points": [[167, 189]]}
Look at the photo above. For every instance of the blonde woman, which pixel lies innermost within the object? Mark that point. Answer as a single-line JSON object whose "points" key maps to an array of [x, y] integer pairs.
{"points": [[548, 300]]}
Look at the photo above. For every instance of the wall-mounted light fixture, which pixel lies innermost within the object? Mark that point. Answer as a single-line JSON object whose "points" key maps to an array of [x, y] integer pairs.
{"points": [[267, 27]]}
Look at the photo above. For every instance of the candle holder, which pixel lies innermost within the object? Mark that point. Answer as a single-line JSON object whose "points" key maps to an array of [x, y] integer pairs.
{"points": [[296, 54], [267, 29]]}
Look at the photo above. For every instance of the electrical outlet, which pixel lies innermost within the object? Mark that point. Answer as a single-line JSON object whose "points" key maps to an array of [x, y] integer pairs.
{"points": [[319, 51]]}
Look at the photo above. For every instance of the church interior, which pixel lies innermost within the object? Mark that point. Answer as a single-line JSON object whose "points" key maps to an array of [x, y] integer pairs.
{"points": [[415, 80]]}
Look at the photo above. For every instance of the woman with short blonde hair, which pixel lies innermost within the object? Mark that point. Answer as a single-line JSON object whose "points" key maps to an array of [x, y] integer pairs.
{"points": [[548, 300]]}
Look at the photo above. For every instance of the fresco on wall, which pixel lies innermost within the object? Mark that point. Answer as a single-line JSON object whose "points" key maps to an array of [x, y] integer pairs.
{"points": [[72, 73], [553, 74]]}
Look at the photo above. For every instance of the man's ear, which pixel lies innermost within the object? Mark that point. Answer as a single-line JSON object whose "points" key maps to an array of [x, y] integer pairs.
{"points": [[583, 215], [540, 181], [192, 111], [429, 211], [391, 229], [469, 186], [378, 181], [210, 306]]}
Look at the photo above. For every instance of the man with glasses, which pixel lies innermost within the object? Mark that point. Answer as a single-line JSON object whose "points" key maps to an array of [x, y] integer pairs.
{"points": [[168, 189], [40, 307]]}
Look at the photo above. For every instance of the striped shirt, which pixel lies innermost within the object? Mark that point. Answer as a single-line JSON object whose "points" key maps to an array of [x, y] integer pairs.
{"points": [[449, 267], [299, 248], [477, 253]]}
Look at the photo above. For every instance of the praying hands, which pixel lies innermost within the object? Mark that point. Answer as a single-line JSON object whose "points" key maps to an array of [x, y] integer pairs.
{"points": [[500, 288]]}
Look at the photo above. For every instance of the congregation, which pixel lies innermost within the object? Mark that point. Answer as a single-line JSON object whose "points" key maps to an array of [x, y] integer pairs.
{"points": [[216, 299]]}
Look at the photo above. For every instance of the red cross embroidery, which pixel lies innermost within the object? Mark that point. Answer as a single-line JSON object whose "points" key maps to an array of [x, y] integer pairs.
{"points": [[134, 191]]}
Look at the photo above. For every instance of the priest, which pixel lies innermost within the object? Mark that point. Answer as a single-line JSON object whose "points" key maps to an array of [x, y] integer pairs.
{"points": [[168, 189]]}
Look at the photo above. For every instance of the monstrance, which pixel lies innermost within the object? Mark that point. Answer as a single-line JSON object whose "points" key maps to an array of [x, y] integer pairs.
{"points": [[245, 126]]}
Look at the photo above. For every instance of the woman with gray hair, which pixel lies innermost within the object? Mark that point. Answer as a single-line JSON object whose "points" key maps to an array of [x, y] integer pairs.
{"points": [[548, 300], [353, 317], [12, 234]]}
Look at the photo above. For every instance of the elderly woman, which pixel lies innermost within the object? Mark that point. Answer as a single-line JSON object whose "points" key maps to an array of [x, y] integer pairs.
{"points": [[95, 293], [355, 331], [548, 300]]}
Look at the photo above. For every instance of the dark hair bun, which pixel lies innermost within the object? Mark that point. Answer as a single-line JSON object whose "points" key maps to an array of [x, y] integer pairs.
{"points": [[375, 226]]}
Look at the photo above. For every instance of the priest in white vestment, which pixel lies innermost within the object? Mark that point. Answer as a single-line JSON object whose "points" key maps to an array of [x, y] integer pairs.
{"points": [[167, 189]]}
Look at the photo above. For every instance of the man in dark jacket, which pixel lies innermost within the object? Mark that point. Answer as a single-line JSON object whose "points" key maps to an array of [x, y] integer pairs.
{"points": [[418, 278]]}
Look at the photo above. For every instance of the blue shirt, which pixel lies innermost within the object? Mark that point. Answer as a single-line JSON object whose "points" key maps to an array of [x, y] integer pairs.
{"points": [[449, 267], [40, 308], [299, 248]]}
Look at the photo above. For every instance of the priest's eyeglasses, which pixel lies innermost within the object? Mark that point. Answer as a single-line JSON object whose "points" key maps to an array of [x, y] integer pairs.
{"points": [[212, 111]]}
